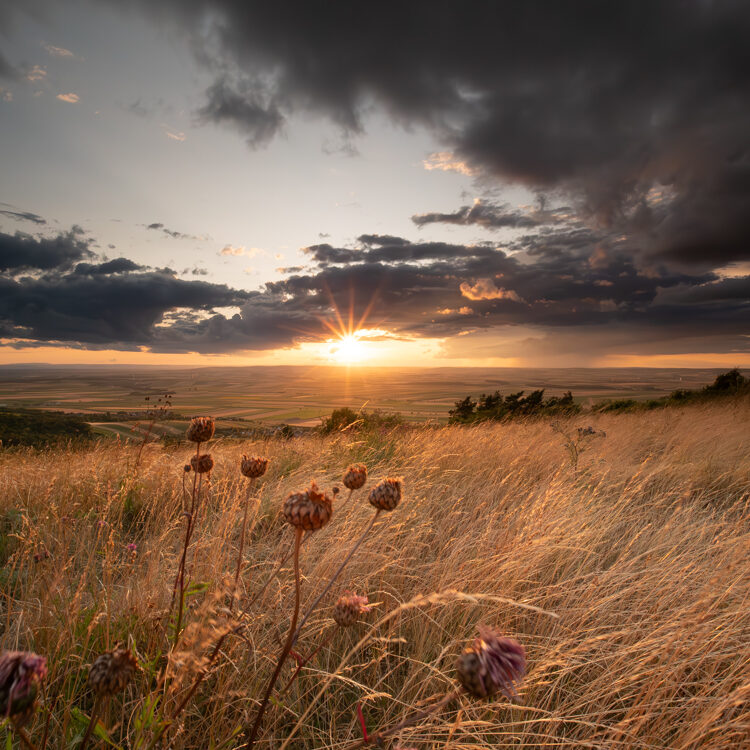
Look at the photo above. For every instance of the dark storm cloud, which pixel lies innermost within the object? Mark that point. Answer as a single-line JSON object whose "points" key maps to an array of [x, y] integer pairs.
{"points": [[600, 101], [22, 252], [492, 216], [242, 108], [427, 289], [21, 215], [118, 265]]}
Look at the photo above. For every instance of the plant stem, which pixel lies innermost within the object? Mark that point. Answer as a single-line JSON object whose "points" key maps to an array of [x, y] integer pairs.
{"points": [[242, 534], [92, 723], [287, 646], [335, 575], [377, 737], [181, 570], [308, 659]]}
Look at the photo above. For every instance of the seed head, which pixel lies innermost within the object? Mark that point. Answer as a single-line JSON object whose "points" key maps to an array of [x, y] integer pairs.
{"points": [[200, 429], [186, 468], [348, 609], [202, 464], [21, 675], [355, 477], [309, 510], [491, 664], [386, 494], [253, 466], [112, 671]]}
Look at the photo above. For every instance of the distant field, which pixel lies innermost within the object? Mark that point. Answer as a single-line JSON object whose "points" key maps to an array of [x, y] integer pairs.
{"points": [[301, 396]]}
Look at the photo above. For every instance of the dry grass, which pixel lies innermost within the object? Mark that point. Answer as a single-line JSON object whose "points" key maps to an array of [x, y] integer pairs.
{"points": [[643, 554]]}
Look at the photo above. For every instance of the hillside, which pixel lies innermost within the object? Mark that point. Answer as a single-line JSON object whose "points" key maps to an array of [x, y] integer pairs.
{"points": [[617, 556]]}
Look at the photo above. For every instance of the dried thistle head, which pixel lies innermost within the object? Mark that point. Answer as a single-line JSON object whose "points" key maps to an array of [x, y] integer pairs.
{"points": [[355, 476], [491, 664], [112, 671], [386, 494], [201, 429], [186, 468], [21, 675], [348, 608], [309, 510], [253, 466], [202, 464]]}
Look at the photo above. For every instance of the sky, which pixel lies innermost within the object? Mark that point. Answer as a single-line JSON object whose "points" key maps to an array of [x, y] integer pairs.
{"points": [[414, 183]]}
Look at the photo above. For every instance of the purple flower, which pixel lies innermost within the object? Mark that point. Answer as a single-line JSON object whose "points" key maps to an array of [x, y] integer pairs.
{"points": [[132, 548], [21, 674], [492, 664]]}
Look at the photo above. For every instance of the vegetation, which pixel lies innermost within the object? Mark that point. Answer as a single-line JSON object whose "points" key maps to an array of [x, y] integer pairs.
{"points": [[495, 406], [625, 577], [40, 428], [731, 383], [346, 419], [498, 407]]}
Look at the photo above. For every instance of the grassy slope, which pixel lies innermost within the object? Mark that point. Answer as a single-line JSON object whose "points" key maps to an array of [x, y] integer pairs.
{"points": [[643, 554]]}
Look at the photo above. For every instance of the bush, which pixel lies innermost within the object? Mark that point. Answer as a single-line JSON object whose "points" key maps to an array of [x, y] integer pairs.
{"points": [[498, 407], [347, 419], [41, 428]]}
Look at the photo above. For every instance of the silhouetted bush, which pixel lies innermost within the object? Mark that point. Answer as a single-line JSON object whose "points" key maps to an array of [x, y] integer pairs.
{"points": [[347, 419], [498, 407]]}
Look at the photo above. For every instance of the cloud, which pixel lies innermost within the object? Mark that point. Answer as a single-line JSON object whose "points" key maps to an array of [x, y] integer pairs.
{"points": [[70, 98], [493, 216], [229, 250], [22, 252], [242, 107], [58, 291], [485, 289], [445, 161], [638, 116], [58, 51], [21, 215], [36, 73], [159, 227]]}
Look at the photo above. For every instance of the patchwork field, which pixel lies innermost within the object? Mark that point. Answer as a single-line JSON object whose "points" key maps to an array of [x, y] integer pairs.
{"points": [[301, 396]]}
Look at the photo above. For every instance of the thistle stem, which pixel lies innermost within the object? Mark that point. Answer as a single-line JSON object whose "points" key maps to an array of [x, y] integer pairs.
{"points": [[308, 659], [287, 646], [378, 737], [92, 723], [335, 576], [242, 534]]}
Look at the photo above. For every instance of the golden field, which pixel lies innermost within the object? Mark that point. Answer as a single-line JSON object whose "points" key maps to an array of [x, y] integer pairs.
{"points": [[626, 578]]}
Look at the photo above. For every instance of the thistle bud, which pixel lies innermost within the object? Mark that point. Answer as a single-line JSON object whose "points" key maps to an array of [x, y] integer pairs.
{"points": [[355, 476], [202, 464], [309, 510], [201, 429], [348, 609], [186, 468], [491, 664], [253, 466], [386, 494], [112, 671], [21, 675]]}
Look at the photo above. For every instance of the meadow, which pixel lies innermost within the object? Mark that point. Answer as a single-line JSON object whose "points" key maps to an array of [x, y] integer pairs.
{"points": [[622, 569]]}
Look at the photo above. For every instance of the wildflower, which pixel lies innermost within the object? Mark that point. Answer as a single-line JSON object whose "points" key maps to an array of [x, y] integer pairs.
{"points": [[186, 468], [253, 466], [200, 429], [132, 549], [386, 494], [491, 664], [348, 609], [202, 464], [355, 476], [112, 671], [310, 510], [21, 674]]}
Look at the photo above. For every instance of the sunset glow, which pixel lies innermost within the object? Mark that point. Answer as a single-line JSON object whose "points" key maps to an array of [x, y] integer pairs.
{"points": [[349, 349]]}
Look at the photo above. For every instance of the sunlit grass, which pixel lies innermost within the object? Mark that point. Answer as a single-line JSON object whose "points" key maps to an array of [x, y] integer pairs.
{"points": [[642, 553]]}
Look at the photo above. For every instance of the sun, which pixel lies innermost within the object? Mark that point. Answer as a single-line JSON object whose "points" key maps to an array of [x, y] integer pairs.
{"points": [[349, 349]]}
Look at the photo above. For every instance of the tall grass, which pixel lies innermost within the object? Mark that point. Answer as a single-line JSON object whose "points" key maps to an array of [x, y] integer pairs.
{"points": [[626, 579]]}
